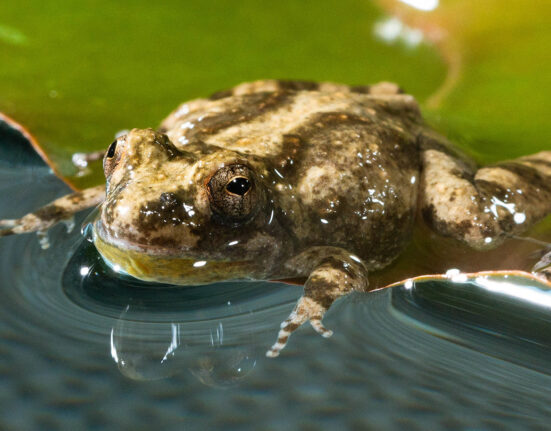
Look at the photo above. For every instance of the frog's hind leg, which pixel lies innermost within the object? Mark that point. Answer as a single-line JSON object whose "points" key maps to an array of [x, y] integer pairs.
{"points": [[331, 279], [59, 210], [482, 207]]}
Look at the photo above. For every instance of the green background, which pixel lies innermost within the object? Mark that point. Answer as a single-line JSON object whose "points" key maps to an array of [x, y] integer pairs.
{"points": [[75, 73]]}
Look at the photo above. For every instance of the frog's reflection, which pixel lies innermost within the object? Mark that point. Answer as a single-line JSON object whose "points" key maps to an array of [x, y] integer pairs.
{"points": [[157, 350], [156, 331]]}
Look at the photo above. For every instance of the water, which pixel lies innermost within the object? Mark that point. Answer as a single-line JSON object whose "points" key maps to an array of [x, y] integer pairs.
{"points": [[83, 349]]}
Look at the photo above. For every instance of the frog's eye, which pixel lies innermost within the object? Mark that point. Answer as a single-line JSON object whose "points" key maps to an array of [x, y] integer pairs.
{"points": [[238, 186], [111, 151], [234, 195], [111, 158]]}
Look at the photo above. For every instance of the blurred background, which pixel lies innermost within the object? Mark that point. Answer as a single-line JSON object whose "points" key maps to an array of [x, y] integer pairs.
{"points": [[76, 73]]}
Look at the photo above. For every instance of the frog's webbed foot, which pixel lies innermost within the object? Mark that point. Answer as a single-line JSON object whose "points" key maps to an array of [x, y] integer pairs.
{"points": [[60, 210], [305, 310], [329, 281], [28, 223]]}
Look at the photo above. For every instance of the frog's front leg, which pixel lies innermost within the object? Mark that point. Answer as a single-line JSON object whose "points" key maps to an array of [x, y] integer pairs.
{"points": [[58, 210], [482, 207], [331, 278]]}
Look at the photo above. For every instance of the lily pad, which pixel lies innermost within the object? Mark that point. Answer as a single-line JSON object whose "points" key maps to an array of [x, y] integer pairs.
{"points": [[84, 71], [495, 99]]}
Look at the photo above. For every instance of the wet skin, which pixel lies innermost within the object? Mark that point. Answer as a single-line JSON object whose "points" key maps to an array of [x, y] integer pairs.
{"points": [[277, 179]]}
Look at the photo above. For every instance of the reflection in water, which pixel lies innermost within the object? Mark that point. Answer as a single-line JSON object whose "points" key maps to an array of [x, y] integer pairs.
{"points": [[145, 351], [215, 331], [444, 354], [507, 316], [157, 350]]}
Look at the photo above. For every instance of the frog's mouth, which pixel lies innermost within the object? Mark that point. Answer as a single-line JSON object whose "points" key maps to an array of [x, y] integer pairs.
{"points": [[171, 269]]}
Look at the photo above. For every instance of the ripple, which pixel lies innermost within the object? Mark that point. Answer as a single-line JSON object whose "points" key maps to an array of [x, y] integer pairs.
{"points": [[396, 353], [505, 316], [67, 291]]}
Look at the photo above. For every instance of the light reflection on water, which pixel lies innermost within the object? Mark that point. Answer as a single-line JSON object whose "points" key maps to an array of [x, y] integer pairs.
{"points": [[440, 355], [215, 331], [508, 316]]}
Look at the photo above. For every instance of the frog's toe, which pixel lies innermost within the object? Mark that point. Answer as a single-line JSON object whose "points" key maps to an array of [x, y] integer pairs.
{"points": [[305, 310], [8, 227], [543, 267], [7, 223], [319, 328], [6, 231]]}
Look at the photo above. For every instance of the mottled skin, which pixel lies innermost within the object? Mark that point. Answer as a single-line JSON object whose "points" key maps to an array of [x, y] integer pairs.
{"points": [[274, 180]]}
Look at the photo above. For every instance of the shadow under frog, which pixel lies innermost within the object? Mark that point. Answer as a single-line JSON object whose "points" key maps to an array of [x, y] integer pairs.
{"points": [[278, 179]]}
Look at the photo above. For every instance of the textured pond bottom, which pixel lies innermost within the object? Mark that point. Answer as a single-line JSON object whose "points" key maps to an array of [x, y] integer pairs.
{"points": [[81, 349]]}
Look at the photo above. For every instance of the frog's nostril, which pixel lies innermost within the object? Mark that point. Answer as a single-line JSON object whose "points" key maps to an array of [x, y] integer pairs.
{"points": [[169, 200]]}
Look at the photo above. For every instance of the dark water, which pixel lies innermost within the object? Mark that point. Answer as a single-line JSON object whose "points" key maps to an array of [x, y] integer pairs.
{"points": [[82, 348]]}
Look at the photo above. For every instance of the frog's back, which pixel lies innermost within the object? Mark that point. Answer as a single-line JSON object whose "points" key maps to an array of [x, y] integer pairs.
{"points": [[342, 162]]}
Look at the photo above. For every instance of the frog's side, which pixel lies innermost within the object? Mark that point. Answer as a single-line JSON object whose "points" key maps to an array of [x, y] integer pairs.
{"points": [[276, 179]]}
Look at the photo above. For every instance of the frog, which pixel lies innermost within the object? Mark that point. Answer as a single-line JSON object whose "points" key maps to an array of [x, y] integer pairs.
{"points": [[276, 180]]}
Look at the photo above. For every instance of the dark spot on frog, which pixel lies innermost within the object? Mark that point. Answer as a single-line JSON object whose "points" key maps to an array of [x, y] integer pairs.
{"points": [[541, 162], [289, 85], [246, 109], [221, 94], [76, 198], [168, 210], [361, 89], [366, 89], [52, 212], [464, 175], [321, 127], [529, 178], [320, 291], [290, 150], [169, 201]]}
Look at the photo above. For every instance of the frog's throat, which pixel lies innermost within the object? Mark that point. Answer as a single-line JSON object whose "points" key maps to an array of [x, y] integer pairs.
{"points": [[171, 269]]}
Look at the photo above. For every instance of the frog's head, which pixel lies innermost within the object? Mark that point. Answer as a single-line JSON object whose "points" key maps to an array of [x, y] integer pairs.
{"points": [[185, 217]]}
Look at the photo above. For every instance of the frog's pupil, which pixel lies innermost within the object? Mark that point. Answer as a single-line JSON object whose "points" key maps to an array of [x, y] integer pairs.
{"points": [[238, 186], [111, 150]]}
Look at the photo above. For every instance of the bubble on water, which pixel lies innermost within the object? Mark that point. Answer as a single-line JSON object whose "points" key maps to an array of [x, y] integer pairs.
{"points": [[146, 351], [157, 350]]}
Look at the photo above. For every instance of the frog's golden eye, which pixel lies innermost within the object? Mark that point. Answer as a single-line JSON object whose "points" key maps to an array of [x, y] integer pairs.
{"points": [[233, 193]]}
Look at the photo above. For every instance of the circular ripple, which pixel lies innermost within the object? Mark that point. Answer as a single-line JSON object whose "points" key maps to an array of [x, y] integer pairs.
{"points": [[66, 291]]}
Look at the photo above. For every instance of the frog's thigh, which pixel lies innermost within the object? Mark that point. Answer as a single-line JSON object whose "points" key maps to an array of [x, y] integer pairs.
{"points": [[481, 207], [58, 210], [330, 280]]}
